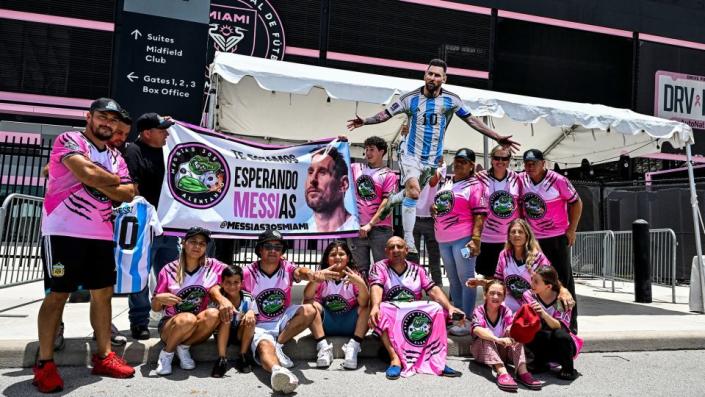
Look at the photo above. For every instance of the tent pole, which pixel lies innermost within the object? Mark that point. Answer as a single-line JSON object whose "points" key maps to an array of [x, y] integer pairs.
{"points": [[696, 301], [212, 97], [486, 146]]}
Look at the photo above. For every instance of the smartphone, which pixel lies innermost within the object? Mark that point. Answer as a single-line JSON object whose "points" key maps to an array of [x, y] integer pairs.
{"points": [[457, 316], [465, 252]]}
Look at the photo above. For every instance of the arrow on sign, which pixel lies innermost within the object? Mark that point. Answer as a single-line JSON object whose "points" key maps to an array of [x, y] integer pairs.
{"points": [[136, 33], [132, 77]]}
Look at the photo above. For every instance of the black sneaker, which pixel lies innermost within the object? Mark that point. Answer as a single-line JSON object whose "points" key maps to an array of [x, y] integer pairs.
{"points": [[220, 367], [140, 332], [242, 364]]}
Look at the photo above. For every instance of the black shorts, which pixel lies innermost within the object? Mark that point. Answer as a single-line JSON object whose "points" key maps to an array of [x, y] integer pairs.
{"points": [[72, 263], [487, 260]]}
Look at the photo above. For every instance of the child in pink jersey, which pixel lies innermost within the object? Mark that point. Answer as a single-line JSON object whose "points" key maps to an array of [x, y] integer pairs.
{"points": [[491, 342], [344, 304], [555, 341]]}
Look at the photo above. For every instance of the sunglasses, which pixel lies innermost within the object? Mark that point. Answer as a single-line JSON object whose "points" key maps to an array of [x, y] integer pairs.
{"points": [[499, 158], [273, 247]]}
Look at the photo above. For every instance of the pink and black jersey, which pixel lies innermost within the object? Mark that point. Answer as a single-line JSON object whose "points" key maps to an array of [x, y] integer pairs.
{"points": [[372, 186], [516, 276], [502, 204], [417, 332], [556, 310], [70, 207], [545, 204], [193, 289], [272, 293], [337, 296], [456, 204], [406, 287], [498, 328]]}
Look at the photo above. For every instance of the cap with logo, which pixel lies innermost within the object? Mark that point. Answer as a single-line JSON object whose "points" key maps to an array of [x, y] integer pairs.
{"points": [[533, 155], [466, 154], [198, 231], [148, 121], [107, 105], [267, 236]]}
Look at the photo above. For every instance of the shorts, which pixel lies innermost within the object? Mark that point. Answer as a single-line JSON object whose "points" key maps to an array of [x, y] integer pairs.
{"points": [[72, 263], [339, 324], [269, 330], [411, 167], [232, 337]]}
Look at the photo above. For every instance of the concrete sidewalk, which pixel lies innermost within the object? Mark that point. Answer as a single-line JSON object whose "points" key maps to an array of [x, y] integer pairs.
{"points": [[608, 321]]}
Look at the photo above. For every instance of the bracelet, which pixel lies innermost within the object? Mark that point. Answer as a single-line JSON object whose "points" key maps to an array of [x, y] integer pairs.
{"points": [[476, 237]]}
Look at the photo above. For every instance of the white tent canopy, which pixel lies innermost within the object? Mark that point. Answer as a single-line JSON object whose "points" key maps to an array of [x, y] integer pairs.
{"points": [[289, 101]]}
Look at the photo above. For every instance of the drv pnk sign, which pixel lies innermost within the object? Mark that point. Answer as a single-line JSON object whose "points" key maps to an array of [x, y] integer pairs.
{"points": [[680, 97]]}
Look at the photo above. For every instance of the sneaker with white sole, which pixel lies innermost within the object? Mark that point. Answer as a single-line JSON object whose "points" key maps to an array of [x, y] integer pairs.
{"points": [[458, 330], [325, 354], [284, 360], [350, 350], [283, 380], [185, 360], [164, 363]]}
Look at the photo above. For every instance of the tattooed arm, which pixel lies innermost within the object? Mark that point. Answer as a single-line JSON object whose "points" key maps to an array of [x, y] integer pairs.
{"points": [[376, 119]]}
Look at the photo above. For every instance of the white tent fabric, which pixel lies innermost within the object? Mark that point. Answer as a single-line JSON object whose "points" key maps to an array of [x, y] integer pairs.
{"points": [[288, 101]]}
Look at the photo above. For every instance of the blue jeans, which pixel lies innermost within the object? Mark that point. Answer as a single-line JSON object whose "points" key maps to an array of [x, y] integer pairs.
{"points": [[459, 269], [164, 250]]}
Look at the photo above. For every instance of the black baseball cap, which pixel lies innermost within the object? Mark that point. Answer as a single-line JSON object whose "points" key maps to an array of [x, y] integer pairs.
{"points": [[125, 116], [152, 120], [533, 155], [107, 105], [267, 236], [466, 154], [197, 230]]}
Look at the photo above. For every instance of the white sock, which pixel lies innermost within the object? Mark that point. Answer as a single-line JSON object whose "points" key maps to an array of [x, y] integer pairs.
{"points": [[397, 197], [408, 220]]}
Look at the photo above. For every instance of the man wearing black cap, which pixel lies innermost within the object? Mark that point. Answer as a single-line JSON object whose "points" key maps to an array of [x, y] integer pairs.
{"points": [[145, 160], [552, 208]]}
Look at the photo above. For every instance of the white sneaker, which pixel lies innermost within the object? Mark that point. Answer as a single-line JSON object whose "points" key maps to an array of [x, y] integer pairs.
{"points": [[351, 349], [325, 354], [458, 330], [185, 360], [284, 360], [283, 380], [410, 243], [164, 363]]}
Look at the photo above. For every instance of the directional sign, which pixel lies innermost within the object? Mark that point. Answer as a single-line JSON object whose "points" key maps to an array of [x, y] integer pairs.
{"points": [[159, 65]]}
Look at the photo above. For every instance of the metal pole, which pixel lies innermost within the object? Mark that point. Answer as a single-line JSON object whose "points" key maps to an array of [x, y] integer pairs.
{"points": [[695, 303]]}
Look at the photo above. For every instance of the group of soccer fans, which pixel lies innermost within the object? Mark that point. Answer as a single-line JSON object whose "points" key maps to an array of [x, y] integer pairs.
{"points": [[518, 228]]}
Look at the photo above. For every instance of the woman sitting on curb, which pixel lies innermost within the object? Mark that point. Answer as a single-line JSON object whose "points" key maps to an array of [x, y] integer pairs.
{"points": [[491, 342], [343, 304], [184, 288]]}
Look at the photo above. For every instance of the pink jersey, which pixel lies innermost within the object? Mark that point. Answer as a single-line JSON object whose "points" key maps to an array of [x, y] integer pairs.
{"points": [[516, 276], [70, 207], [456, 204], [372, 186], [545, 203], [498, 328], [556, 310], [502, 205], [193, 289], [337, 296], [407, 286], [417, 332], [272, 293]]}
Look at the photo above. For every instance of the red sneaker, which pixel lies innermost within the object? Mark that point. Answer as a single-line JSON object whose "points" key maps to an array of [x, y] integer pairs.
{"points": [[112, 366], [47, 378]]}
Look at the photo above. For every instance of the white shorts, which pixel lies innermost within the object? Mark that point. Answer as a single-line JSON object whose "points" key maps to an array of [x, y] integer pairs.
{"points": [[412, 167], [269, 330]]}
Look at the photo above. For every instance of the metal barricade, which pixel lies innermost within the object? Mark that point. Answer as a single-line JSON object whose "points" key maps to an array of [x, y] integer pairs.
{"points": [[591, 255], [20, 240]]}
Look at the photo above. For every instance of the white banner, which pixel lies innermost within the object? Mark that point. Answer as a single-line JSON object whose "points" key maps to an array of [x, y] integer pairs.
{"points": [[680, 97], [236, 188]]}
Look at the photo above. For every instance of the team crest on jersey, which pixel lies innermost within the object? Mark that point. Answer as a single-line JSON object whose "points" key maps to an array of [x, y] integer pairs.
{"points": [[417, 327], [516, 286], [534, 206], [502, 204], [198, 175], [271, 302], [366, 188], [191, 299], [247, 27], [95, 193], [336, 304], [443, 202], [57, 270], [399, 293]]}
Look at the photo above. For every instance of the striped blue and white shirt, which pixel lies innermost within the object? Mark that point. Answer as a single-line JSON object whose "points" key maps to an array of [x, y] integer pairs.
{"points": [[135, 225], [428, 121]]}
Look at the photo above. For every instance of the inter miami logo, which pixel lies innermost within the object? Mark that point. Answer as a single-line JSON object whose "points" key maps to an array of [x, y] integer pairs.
{"points": [[336, 304], [271, 302], [516, 286], [443, 202], [191, 299], [366, 188], [247, 27], [502, 204], [417, 327], [400, 293], [534, 206], [198, 175]]}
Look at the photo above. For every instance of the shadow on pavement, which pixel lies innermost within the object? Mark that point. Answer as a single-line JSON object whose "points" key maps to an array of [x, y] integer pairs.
{"points": [[590, 306], [25, 388]]}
